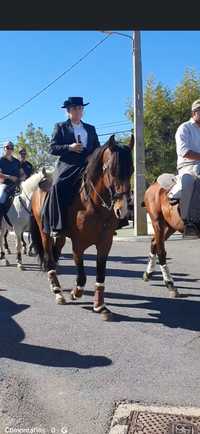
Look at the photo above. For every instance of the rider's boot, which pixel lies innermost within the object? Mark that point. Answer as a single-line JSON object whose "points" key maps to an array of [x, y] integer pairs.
{"points": [[57, 233]]}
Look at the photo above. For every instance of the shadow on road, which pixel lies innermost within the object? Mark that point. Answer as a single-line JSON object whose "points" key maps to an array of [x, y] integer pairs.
{"points": [[113, 272], [176, 313], [122, 259], [11, 335], [70, 270]]}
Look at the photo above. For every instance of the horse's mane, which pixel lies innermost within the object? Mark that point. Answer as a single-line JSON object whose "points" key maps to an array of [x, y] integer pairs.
{"points": [[94, 167], [121, 165], [29, 181], [28, 184]]}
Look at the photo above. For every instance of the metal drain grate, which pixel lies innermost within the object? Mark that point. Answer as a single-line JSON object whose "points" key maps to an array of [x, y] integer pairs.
{"points": [[145, 422], [130, 418]]}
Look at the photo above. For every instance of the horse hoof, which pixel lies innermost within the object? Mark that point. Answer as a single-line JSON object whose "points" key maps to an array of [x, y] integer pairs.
{"points": [[76, 293], [4, 263], [24, 251], [107, 315], [60, 299], [8, 252], [169, 284], [20, 267], [147, 276], [173, 293], [104, 312]]}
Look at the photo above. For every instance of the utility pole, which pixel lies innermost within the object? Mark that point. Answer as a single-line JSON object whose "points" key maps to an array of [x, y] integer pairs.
{"points": [[140, 220]]}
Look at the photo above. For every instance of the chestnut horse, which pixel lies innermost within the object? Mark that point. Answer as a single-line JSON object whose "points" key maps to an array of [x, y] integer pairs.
{"points": [[92, 219], [166, 220]]}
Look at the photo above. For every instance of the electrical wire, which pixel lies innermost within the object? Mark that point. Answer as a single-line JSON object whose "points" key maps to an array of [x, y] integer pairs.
{"points": [[56, 79]]}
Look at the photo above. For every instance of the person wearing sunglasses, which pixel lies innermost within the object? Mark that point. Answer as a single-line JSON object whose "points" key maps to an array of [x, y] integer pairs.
{"points": [[9, 178], [26, 168]]}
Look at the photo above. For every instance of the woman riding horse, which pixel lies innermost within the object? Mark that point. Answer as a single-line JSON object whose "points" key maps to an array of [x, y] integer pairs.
{"points": [[73, 141], [93, 216]]}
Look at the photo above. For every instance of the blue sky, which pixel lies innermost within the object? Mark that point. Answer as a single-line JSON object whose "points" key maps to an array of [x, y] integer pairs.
{"points": [[31, 59]]}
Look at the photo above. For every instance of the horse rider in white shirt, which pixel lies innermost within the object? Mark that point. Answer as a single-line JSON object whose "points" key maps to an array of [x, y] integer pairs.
{"points": [[188, 164]]}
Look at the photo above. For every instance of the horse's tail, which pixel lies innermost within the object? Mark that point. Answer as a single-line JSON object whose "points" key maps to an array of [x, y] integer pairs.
{"points": [[37, 240]]}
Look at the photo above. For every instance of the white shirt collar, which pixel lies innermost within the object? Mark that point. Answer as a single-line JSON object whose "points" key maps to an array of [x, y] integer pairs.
{"points": [[194, 123], [77, 125]]}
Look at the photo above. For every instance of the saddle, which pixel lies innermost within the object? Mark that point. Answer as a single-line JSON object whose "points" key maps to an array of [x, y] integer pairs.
{"points": [[45, 185], [172, 184]]}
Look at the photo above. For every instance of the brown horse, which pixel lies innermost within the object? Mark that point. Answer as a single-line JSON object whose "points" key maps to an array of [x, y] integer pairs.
{"points": [[92, 219], [166, 220]]}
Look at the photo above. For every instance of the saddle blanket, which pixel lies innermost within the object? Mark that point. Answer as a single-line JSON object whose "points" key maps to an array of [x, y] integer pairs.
{"points": [[172, 184]]}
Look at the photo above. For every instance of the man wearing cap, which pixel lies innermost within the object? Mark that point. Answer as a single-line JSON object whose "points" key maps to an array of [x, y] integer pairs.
{"points": [[26, 168], [188, 164], [73, 141], [9, 177]]}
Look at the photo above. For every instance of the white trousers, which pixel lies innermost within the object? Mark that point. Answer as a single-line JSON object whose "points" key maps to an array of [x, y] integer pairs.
{"points": [[188, 175]]}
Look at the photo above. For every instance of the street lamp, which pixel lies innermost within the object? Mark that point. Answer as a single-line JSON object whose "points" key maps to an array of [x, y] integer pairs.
{"points": [[140, 221]]}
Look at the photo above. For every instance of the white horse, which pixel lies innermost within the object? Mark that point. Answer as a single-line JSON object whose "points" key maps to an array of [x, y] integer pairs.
{"points": [[19, 213]]}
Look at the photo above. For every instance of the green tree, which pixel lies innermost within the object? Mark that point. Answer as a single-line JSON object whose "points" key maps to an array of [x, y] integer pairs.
{"points": [[184, 95], [164, 111], [37, 144]]}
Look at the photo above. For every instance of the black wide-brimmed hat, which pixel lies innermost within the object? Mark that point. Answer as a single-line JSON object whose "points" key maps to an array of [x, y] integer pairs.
{"points": [[74, 101]]}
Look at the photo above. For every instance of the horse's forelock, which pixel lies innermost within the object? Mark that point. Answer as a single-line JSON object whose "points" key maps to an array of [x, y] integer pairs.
{"points": [[122, 163], [94, 167]]}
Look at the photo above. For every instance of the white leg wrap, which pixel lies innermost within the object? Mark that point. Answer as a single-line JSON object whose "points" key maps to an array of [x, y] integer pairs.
{"points": [[166, 273], [97, 309], [151, 264], [100, 284]]}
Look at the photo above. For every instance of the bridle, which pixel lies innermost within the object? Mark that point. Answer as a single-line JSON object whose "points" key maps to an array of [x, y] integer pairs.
{"points": [[114, 194]]}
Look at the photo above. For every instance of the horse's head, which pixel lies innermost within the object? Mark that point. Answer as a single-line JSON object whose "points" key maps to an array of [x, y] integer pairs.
{"points": [[117, 171]]}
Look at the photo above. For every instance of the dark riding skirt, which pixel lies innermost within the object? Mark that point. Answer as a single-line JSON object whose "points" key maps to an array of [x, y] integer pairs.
{"points": [[66, 183]]}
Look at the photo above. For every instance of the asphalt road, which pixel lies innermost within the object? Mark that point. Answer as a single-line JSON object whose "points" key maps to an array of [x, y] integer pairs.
{"points": [[62, 368]]}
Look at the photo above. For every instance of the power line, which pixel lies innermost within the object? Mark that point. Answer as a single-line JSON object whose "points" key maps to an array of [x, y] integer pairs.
{"points": [[115, 132], [100, 135], [56, 79], [107, 124]]}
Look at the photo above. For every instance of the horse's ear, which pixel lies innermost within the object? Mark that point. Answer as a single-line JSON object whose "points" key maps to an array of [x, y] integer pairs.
{"points": [[132, 142], [111, 142], [44, 171]]}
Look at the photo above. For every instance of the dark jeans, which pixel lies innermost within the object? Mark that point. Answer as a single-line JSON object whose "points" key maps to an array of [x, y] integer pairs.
{"points": [[4, 207]]}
